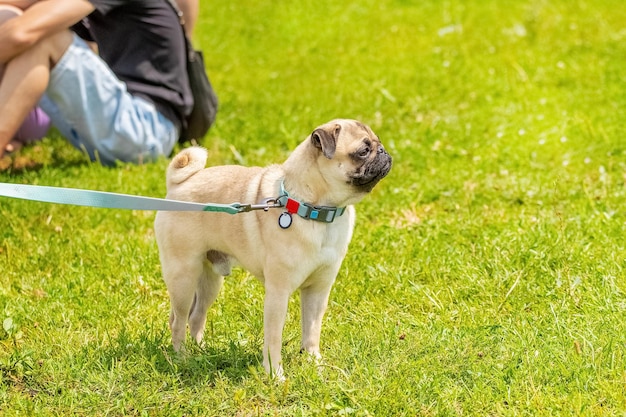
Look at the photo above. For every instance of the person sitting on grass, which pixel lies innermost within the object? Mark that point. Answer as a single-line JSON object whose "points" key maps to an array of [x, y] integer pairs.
{"points": [[126, 104]]}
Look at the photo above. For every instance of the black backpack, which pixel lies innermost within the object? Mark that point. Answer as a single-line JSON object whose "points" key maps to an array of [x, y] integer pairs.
{"points": [[204, 110]]}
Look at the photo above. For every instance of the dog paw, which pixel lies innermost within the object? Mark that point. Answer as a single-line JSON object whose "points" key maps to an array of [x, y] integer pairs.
{"points": [[312, 354], [275, 373], [278, 375]]}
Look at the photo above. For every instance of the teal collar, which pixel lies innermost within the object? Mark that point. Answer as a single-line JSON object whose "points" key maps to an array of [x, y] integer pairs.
{"points": [[308, 211]]}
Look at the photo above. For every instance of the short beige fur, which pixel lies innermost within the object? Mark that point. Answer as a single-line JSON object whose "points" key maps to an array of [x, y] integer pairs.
{"points": [[337, 165]]}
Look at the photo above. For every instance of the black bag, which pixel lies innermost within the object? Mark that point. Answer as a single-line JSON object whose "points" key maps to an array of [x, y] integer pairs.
{"points": [[202, 115], [204, 109]]}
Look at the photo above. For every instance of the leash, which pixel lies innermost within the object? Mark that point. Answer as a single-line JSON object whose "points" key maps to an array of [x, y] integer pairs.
{"points": [[102, 199]]}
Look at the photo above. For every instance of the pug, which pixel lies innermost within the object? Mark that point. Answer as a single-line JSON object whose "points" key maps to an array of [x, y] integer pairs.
{"points": [[299, 245]]}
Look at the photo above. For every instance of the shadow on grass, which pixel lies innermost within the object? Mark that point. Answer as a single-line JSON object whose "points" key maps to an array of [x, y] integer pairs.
{"points": [[152, 350], [53, 150], [20, 163]]}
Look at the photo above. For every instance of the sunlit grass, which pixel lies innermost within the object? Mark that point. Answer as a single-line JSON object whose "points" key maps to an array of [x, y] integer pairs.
{"points": [[486, 273]]}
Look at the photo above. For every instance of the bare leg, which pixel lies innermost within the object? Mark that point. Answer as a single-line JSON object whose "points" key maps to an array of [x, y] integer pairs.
{"points": [[7, 12], [25, 80]]}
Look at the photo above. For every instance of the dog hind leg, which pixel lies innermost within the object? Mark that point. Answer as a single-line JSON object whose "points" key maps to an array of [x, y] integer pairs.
{"points": [[207, 291], [180, 282]]}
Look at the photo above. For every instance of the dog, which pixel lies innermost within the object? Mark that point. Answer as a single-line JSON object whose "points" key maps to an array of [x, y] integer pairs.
{"points": [[301, 246]]}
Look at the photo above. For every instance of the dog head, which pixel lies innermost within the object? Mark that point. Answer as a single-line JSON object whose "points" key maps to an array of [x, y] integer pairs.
{"points": [[350, 151]]}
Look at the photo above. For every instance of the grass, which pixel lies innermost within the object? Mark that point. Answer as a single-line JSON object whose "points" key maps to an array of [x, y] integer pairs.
{"points": [[487, 272]]}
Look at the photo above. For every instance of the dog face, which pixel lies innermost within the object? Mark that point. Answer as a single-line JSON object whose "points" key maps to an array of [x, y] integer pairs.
{"points": [[353, 153]]}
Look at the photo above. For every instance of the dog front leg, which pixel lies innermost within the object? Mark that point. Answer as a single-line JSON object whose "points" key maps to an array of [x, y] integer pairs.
{"points": [[274, 315], [314, 300]]}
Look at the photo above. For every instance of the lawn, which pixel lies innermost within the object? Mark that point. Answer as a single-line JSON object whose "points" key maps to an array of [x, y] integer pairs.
{"points": [[486, 275]]}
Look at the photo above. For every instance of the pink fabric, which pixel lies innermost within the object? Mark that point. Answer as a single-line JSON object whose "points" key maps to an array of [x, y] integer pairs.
{"points": [[35, 126]]}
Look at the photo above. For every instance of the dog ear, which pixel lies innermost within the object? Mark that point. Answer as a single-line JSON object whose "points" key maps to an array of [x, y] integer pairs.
{"points": [[325, 138]]}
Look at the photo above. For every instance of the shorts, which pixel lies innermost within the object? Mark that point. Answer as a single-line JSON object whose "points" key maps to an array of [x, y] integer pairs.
{"points": [[93, 109]]}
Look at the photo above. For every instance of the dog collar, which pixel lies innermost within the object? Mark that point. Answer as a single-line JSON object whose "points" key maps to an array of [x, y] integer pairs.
{"points": [[323, 214]]}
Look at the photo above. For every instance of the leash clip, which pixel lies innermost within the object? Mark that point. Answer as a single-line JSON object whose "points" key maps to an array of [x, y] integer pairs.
{"points": [[265, 205]]}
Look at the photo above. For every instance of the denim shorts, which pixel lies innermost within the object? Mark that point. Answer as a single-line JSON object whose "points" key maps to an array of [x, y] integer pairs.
{"points": [[93, 109]]}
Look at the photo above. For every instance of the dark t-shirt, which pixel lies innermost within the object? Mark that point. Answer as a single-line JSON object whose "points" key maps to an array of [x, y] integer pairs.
{"points": [[143, 43]]}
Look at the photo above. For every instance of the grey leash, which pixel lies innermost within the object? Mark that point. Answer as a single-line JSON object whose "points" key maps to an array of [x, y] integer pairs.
{"points": [[78, 197]]}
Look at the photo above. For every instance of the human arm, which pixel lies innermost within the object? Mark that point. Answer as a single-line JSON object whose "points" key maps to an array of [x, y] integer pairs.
{"points": [[40, 20], [190, 9]]}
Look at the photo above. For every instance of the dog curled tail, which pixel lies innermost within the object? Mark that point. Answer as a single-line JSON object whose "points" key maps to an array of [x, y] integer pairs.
{"points": [[186, 163]]}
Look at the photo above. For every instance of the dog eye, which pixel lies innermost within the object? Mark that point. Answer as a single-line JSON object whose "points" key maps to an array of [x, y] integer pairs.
{"points": [[363, 153]]}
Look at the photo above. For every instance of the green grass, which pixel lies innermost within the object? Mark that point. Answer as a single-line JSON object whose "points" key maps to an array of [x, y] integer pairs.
{"points": [[487, 272]]}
